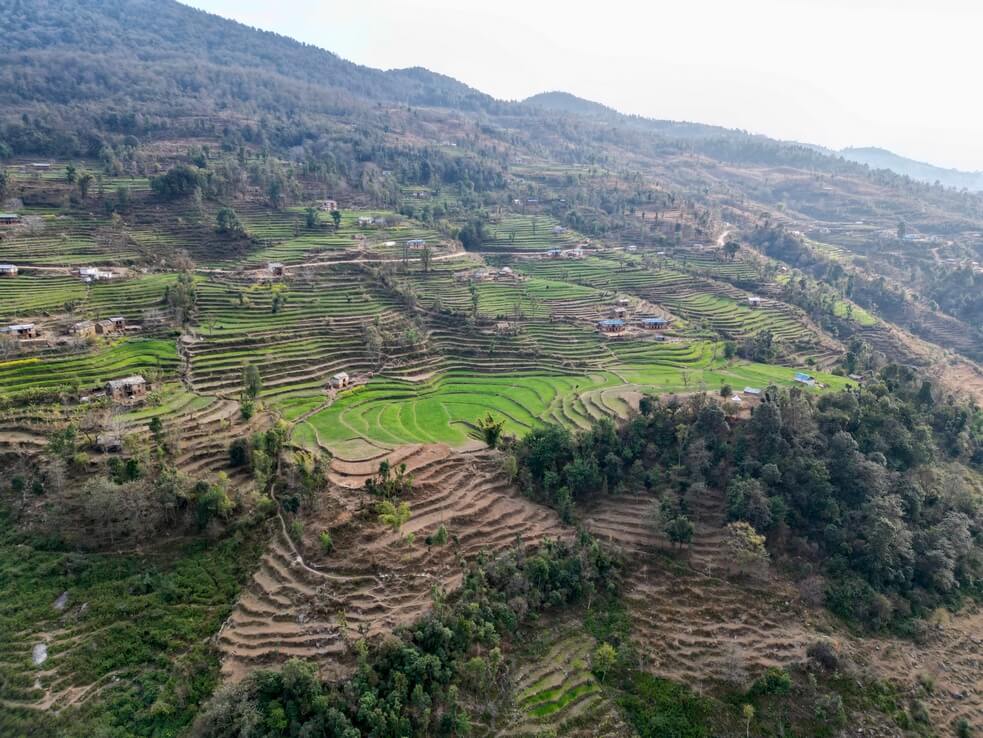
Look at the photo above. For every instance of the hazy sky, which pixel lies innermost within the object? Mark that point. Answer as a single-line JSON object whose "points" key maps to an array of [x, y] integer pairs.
{"points": [[891, 73]]}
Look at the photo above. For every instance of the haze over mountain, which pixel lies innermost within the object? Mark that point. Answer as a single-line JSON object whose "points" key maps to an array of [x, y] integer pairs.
{"points": [[878, 158]]}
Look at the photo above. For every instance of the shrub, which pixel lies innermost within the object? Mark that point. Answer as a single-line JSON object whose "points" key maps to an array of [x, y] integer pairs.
{"points": [[240, 452], [823, 653], [774, 681], [326, 543], [296, 530]]}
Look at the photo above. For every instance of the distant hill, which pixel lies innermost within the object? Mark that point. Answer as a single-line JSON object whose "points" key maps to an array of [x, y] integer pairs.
{"points": [[66, 52], [877, 158], [564, 102]]}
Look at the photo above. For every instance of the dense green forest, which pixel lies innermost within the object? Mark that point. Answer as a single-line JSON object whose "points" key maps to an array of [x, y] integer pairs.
{"points": [[865, 484]]}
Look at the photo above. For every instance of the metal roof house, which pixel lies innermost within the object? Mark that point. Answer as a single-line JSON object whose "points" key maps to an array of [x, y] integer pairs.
{"points": [[611, 325], [8, 270], [9, 218], [21, 330], [803, 378], [752, 391], [654, 322]]}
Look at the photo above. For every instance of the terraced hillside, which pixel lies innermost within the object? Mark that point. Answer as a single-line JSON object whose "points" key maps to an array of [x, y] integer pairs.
{"points": [[689, 621], [308, 602], [555, 689]]}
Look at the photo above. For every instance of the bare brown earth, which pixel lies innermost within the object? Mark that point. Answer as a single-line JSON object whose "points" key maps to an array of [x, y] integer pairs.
{"points": [[694, 623], [692, 620], [316, 604]]}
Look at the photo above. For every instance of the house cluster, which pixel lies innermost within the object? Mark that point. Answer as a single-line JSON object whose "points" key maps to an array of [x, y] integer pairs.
{"points": [[81, 329], [575, 253], [489, 274], [619, 324], [94, 274], [88, 328]]}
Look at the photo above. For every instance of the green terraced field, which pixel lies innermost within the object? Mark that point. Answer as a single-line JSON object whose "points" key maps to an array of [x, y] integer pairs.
{"points": [[34, 292], [118, 359], [528, 233], [389, 413]]}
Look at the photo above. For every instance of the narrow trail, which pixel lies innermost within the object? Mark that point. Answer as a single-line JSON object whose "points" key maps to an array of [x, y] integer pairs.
{"points": [[360, 260]]}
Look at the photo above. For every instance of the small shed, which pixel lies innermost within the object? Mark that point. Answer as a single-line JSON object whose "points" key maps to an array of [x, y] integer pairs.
{"points": [[275, 268], [752, 392], [327, 205], [127, 388], [631, 248], [8, 270], [109, 443], [365, 221], [340, 380], [754, 301], [554, 253], [9, 218], [22, 330], [83, 329], [416, 243]]}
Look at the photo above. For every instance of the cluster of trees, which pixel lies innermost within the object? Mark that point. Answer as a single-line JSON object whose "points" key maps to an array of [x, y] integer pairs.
{"points": [[424, 679], [866, 486]]}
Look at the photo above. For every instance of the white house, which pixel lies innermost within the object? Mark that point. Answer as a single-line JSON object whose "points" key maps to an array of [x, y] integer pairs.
{"points": [[340, 380]]}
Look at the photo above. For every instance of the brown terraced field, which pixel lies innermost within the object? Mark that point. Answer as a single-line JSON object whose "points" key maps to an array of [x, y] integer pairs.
{"points": [[305, 602]]}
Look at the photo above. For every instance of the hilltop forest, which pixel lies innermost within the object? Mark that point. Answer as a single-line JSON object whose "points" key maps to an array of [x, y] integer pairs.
{"points": [[337, 402]]}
